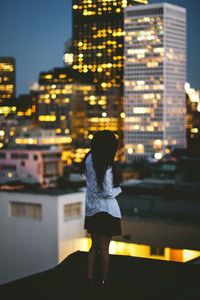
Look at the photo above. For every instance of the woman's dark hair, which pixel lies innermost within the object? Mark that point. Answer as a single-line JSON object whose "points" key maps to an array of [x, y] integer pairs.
{"points": [[103, 149]]}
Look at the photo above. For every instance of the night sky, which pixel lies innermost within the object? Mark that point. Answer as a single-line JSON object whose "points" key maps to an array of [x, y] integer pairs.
{"points": [[34, 32]]}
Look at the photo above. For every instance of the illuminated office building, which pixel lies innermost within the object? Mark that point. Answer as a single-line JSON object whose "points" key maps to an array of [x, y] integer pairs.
{"points": [[7, 79], [154, 74], [68, 54], [98, 38], [27, 106], [8, 128], [192, 118], [8, 108], [7, 86], [63, 106], [63, 102]]}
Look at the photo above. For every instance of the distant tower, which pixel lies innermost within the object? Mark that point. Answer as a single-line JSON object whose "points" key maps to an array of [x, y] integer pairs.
{"points": [[7, 79], [193, 118], [154, 74], [62, 103], [98, 38], [68, 55]]}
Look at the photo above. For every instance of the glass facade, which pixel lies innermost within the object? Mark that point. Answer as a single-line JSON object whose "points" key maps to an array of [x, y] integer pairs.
{"points": [[63, 103], [192, 117], [63, 106], [7, 86], [7, 79], [98, 39], [155, 73]]}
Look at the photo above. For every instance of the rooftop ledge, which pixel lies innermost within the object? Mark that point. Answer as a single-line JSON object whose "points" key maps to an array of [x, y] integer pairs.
{"points": [[137, 278]]}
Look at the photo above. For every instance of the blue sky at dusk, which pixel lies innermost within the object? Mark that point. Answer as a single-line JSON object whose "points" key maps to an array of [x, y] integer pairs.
{"points": [[34, 32]]}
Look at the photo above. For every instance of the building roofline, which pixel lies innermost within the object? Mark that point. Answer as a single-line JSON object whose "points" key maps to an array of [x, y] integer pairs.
{"points": [[156, 5], [43, 192]]}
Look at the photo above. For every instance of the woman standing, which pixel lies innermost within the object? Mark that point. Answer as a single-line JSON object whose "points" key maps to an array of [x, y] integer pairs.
{"points": [[103, 216]]}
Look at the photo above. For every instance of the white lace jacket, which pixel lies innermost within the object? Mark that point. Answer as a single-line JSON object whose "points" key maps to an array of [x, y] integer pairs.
{"points": [[100, 200]]}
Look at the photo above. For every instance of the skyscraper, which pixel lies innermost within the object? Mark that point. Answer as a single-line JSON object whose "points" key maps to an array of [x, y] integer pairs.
{"points": [[62, 106], [63, 101], [7, 86], [7, 79], [98, 35], [193, 118], [68, 54], [155, 74]]}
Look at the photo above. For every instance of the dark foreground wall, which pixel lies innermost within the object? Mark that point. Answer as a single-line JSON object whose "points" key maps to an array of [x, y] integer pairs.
{"points": [[131, 278]]}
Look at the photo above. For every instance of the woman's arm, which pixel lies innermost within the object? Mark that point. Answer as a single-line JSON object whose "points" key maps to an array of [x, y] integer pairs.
{"points": [[108, 190]]}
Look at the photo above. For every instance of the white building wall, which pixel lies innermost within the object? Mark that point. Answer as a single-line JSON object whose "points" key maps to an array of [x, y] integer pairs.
{"points": [[27, 245], [28, 166], [31, 245], [70, 231], [154, 73]]}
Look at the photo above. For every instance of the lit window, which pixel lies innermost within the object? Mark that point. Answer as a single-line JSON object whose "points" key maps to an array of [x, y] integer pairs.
{"points": [[28, 210], [72, 210], [130, 151]]}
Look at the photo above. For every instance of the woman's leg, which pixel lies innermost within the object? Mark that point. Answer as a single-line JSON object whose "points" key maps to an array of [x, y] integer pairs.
{"points": [[92, 256], [104, 242]]}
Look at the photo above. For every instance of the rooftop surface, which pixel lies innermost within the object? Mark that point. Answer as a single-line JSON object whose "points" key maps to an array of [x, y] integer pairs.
{"points": [[41, 191], [150, 187], [136, 278]]}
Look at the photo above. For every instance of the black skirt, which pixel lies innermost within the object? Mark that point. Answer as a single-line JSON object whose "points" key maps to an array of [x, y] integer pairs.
{"points": [[103, 223]]}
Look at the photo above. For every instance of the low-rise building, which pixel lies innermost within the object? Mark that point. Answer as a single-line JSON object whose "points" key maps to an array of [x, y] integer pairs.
{"points": [[36, 165], [38, 229]]}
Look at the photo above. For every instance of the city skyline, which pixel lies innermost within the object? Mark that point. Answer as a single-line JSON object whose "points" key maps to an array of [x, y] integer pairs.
{"points": [[123, 72], [48, 38]]}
